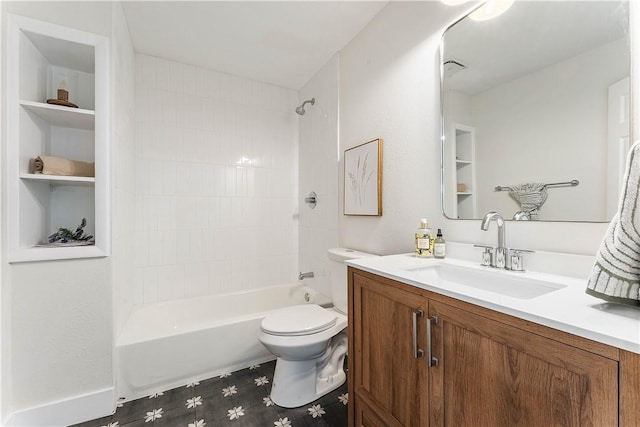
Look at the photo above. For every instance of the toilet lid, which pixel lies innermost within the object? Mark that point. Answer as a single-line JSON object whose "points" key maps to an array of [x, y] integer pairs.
{"points": [[298, 320]]}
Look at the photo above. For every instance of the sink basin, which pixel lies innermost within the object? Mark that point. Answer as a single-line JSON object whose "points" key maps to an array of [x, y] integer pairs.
{"points": [[511, 284]]}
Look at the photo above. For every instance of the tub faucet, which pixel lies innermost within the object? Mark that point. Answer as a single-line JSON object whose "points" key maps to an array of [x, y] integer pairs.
{"points": [[305, 275], [500, 253]]}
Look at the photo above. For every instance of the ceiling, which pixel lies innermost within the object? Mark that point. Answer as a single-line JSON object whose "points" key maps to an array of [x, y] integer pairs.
{"points": [[528, 37], [279, 42]]}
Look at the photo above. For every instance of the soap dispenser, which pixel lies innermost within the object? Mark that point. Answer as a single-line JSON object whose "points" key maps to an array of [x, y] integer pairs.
{"points": [[439, 246], [424, 240]]}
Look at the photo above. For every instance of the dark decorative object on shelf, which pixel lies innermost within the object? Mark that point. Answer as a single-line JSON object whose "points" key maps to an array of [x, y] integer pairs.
{"points": [[65, 235]]}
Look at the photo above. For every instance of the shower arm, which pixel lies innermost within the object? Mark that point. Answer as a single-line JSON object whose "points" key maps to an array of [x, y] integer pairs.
{"points": [[300, 108]]}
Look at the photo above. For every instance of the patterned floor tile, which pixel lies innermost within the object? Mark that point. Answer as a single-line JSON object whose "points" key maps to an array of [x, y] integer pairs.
{"points": [[135, 410], [136, 423], [174, 398], [96, 423], [176, 417], [240, 399], [336, 414]]}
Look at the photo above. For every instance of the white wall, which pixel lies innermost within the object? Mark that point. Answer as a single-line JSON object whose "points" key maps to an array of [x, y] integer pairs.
{"points": [[389, 89], [318, 171], [4, 330], [389, 79], [564, 109], [61, 324], [123, 184], [216, 182], [56, 316]]}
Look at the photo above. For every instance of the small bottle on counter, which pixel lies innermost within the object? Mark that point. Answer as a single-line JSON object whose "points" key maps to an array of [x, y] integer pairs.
{"points": [[439, 246], [424, 240]]}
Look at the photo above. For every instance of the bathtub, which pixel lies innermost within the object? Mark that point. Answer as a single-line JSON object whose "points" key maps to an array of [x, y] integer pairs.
{"points": [[170, 344]]}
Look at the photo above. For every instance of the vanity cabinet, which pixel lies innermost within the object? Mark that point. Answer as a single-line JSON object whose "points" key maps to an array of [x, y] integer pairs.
{"points": [[488, 368], [494, 374], [388, 373]]}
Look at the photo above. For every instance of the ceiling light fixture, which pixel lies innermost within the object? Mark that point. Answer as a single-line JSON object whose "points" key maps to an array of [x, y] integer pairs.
{"points": [[491, 9]]}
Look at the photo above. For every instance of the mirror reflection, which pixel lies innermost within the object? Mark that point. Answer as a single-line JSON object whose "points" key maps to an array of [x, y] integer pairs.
{"points": [[535, 106]]}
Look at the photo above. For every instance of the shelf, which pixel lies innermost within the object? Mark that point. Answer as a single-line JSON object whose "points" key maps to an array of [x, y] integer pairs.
{"points": [[82, 181], [39, 56], [44, 254], [464, 170], [57, 115]]}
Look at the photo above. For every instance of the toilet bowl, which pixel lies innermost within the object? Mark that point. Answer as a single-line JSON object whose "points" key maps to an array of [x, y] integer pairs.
{"points": [[310, 342]]}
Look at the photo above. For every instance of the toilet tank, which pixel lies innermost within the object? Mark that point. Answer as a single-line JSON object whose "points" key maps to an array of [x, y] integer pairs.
{"points": [[338, 274]]}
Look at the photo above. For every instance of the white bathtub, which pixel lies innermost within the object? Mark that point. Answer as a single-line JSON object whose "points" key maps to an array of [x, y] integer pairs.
{"points": [[173, 343]]}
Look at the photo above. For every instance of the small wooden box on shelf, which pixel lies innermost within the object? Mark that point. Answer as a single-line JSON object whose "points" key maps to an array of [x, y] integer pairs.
{"points": [[41, 58]]}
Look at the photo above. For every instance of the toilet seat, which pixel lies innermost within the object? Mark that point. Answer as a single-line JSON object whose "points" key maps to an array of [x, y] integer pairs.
{"points": [[299, 320]]}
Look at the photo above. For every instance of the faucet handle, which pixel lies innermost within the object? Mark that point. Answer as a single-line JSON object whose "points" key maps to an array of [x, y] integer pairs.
{"points": [[487, 255], [517, 263], [500, 258]]}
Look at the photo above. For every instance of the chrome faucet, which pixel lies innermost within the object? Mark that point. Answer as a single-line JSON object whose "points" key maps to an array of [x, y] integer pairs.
{"points": [[305, 275], [500, 256]]}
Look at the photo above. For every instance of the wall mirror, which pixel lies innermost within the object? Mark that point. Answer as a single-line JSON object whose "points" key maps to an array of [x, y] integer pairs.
{"points": [[535, 111]]}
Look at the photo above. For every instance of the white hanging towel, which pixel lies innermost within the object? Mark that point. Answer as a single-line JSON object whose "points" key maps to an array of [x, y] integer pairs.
{"points": [[616, 273], [531, 196]]}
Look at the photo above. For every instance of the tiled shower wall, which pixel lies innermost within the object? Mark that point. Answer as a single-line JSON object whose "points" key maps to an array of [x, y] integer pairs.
{"points": [[216, 182], [319, 172]]}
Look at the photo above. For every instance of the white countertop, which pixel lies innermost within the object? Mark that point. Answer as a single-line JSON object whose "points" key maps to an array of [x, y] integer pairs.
{"points": [[569, 309]]}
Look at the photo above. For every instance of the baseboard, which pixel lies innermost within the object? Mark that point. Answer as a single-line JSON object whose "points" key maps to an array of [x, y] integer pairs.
{"points": [[66, 412]]}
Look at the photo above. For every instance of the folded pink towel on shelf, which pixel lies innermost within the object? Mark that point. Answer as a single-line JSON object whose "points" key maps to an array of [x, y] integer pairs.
{"points": [[47, 165]]}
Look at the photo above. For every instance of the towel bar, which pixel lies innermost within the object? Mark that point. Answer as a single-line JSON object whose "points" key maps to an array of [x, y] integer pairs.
{"points": [[571, 183]]}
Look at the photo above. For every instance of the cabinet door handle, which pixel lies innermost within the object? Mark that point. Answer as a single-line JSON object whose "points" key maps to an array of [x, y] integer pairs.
{"points": [[417, 353], [431, 361]]}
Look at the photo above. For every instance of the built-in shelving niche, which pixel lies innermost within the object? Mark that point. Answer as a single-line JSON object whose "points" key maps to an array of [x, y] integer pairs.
{"points": [[40, 56], [465, 175]]}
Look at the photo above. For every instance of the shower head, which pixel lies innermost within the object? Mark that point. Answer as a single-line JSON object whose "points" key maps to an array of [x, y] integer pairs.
{"points": [[300, 109]]}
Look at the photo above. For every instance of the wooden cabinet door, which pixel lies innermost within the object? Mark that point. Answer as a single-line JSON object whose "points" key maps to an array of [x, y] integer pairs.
{"points": [[493, 374], [365, 417], [389, 376]]}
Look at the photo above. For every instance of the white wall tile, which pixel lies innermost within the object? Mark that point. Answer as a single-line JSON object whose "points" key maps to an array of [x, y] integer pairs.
{"points": [[216, 167], [142, 177], [141, 245], [150, 283], [138, 286], [156, 177], [195, 246], [318, 167], [169, 178], [166, 274], [182, 247], [169, 107], [169, 247], [156, 246], [196, 280], [230, 181]]}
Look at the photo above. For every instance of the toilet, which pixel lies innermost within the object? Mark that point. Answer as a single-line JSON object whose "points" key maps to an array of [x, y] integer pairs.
{"points": [[310, 341]]}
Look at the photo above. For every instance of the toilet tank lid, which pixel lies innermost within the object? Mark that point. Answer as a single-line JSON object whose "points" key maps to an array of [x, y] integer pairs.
{"points": [[343, 254]]}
